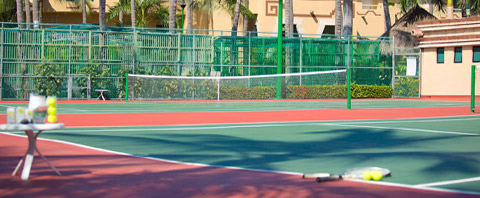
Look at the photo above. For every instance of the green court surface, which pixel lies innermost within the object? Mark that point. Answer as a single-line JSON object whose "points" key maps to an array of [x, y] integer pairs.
{"points": [[419, 152], [145, 107]]}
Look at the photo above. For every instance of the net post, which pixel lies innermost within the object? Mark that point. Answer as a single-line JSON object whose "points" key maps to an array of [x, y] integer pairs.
{"points": [[472, 97], [349, 94], [126, 87], [279, 48]]}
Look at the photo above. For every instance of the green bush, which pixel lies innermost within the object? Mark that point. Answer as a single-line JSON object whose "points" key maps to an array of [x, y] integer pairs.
{"points": [[371, 91], [304, 92]]}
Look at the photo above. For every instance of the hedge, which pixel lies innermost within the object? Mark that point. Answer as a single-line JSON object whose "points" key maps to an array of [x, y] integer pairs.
{"points": [[305, 92]]}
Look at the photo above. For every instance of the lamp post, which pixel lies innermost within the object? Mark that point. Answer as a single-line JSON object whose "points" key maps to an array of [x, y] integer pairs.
{"points": [[182, 4]]}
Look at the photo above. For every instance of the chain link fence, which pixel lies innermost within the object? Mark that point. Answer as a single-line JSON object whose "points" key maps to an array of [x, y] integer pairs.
{"points": [[30, 54]]}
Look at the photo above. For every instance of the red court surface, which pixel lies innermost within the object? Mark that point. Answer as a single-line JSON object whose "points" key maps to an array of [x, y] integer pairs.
{"points": [[94, 173]]}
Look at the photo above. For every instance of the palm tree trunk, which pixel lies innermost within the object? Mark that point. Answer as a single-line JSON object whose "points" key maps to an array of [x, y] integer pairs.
{"points": [[189, 16], [35, 12], [386, 13], [84, 11], [20, 15], [172, 9], [338, 17], [132, 13], [102, 23], [290, 18], [236, 17], [40, 11], [101, 15], [347, 18], [28, 18], [287, 18], [245, 18]]}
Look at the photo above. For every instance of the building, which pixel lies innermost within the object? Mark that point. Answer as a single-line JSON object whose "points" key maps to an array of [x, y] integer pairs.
{"points": [[310, 17], [449, 49]]}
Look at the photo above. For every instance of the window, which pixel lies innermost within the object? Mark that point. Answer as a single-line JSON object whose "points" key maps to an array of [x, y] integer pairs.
{"points": [[458, 55], [440, 55], [476, 54]]}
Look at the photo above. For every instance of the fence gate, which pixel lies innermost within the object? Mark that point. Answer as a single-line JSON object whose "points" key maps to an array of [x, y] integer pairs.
{"points": [[15, 87], [407, 73]]}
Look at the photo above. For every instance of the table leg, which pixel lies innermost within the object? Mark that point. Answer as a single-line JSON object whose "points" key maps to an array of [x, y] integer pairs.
{"points": [[29, 156], [20, 164], [48, 162]]}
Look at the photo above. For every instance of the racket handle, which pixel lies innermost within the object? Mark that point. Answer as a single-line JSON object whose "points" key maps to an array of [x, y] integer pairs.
{"points": [[315, 175], [331, 178]]}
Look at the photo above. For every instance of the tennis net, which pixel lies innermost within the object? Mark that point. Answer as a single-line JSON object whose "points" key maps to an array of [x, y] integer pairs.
{"points": [[308, 85]]}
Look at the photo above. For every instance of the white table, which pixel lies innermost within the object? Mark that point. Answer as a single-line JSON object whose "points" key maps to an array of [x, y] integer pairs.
{"points": [[27, 159], [101, 93]]}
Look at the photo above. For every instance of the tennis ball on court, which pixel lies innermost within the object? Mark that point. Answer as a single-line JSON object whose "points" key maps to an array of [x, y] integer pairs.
{"points": [[52, 118], [52, 110], [367, 175], [52, 101], [377, 175]]}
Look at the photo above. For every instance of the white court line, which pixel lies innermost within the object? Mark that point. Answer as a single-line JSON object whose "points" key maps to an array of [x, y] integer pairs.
{"points": [[169, 129], [249, 125], [406, 129], [381, 183], [458, 181], [81, 110], [407, 121]]}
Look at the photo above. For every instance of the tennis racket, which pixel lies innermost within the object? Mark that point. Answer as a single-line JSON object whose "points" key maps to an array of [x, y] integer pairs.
{"points": [[353, 173]]}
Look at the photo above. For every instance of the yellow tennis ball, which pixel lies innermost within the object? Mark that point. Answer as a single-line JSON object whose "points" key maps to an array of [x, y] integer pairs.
{"points": [[377, 175], [52, 101], [52, 110], [367, 175], [52, 118]]}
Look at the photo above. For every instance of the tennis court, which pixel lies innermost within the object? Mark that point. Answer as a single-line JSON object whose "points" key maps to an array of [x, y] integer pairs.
{"points": [[430, 145]]}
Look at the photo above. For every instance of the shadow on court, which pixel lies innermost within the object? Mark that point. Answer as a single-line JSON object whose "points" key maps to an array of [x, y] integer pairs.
{"points": [[413, 159]]}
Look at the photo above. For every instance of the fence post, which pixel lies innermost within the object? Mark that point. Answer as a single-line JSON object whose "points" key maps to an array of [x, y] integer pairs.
{"points": [[1, 62], [472, 97], [221, 53], [134, 49], [126, 87], [393, 66], [69, 87], [89, 87], [301, 53]]}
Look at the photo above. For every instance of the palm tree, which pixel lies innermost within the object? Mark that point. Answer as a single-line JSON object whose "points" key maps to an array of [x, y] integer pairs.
{"points": [[338, 17], [35, 11], [236, 17], [289, 18], [101, 15], [406, 5], [20, 15], [190, 15], [84, 11], [386, 13], [245, 17], [172, 10], [225, 5], [28, 17], [474, 7], [347, 18], [133, 15], [144, 9], [7, 10]]}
